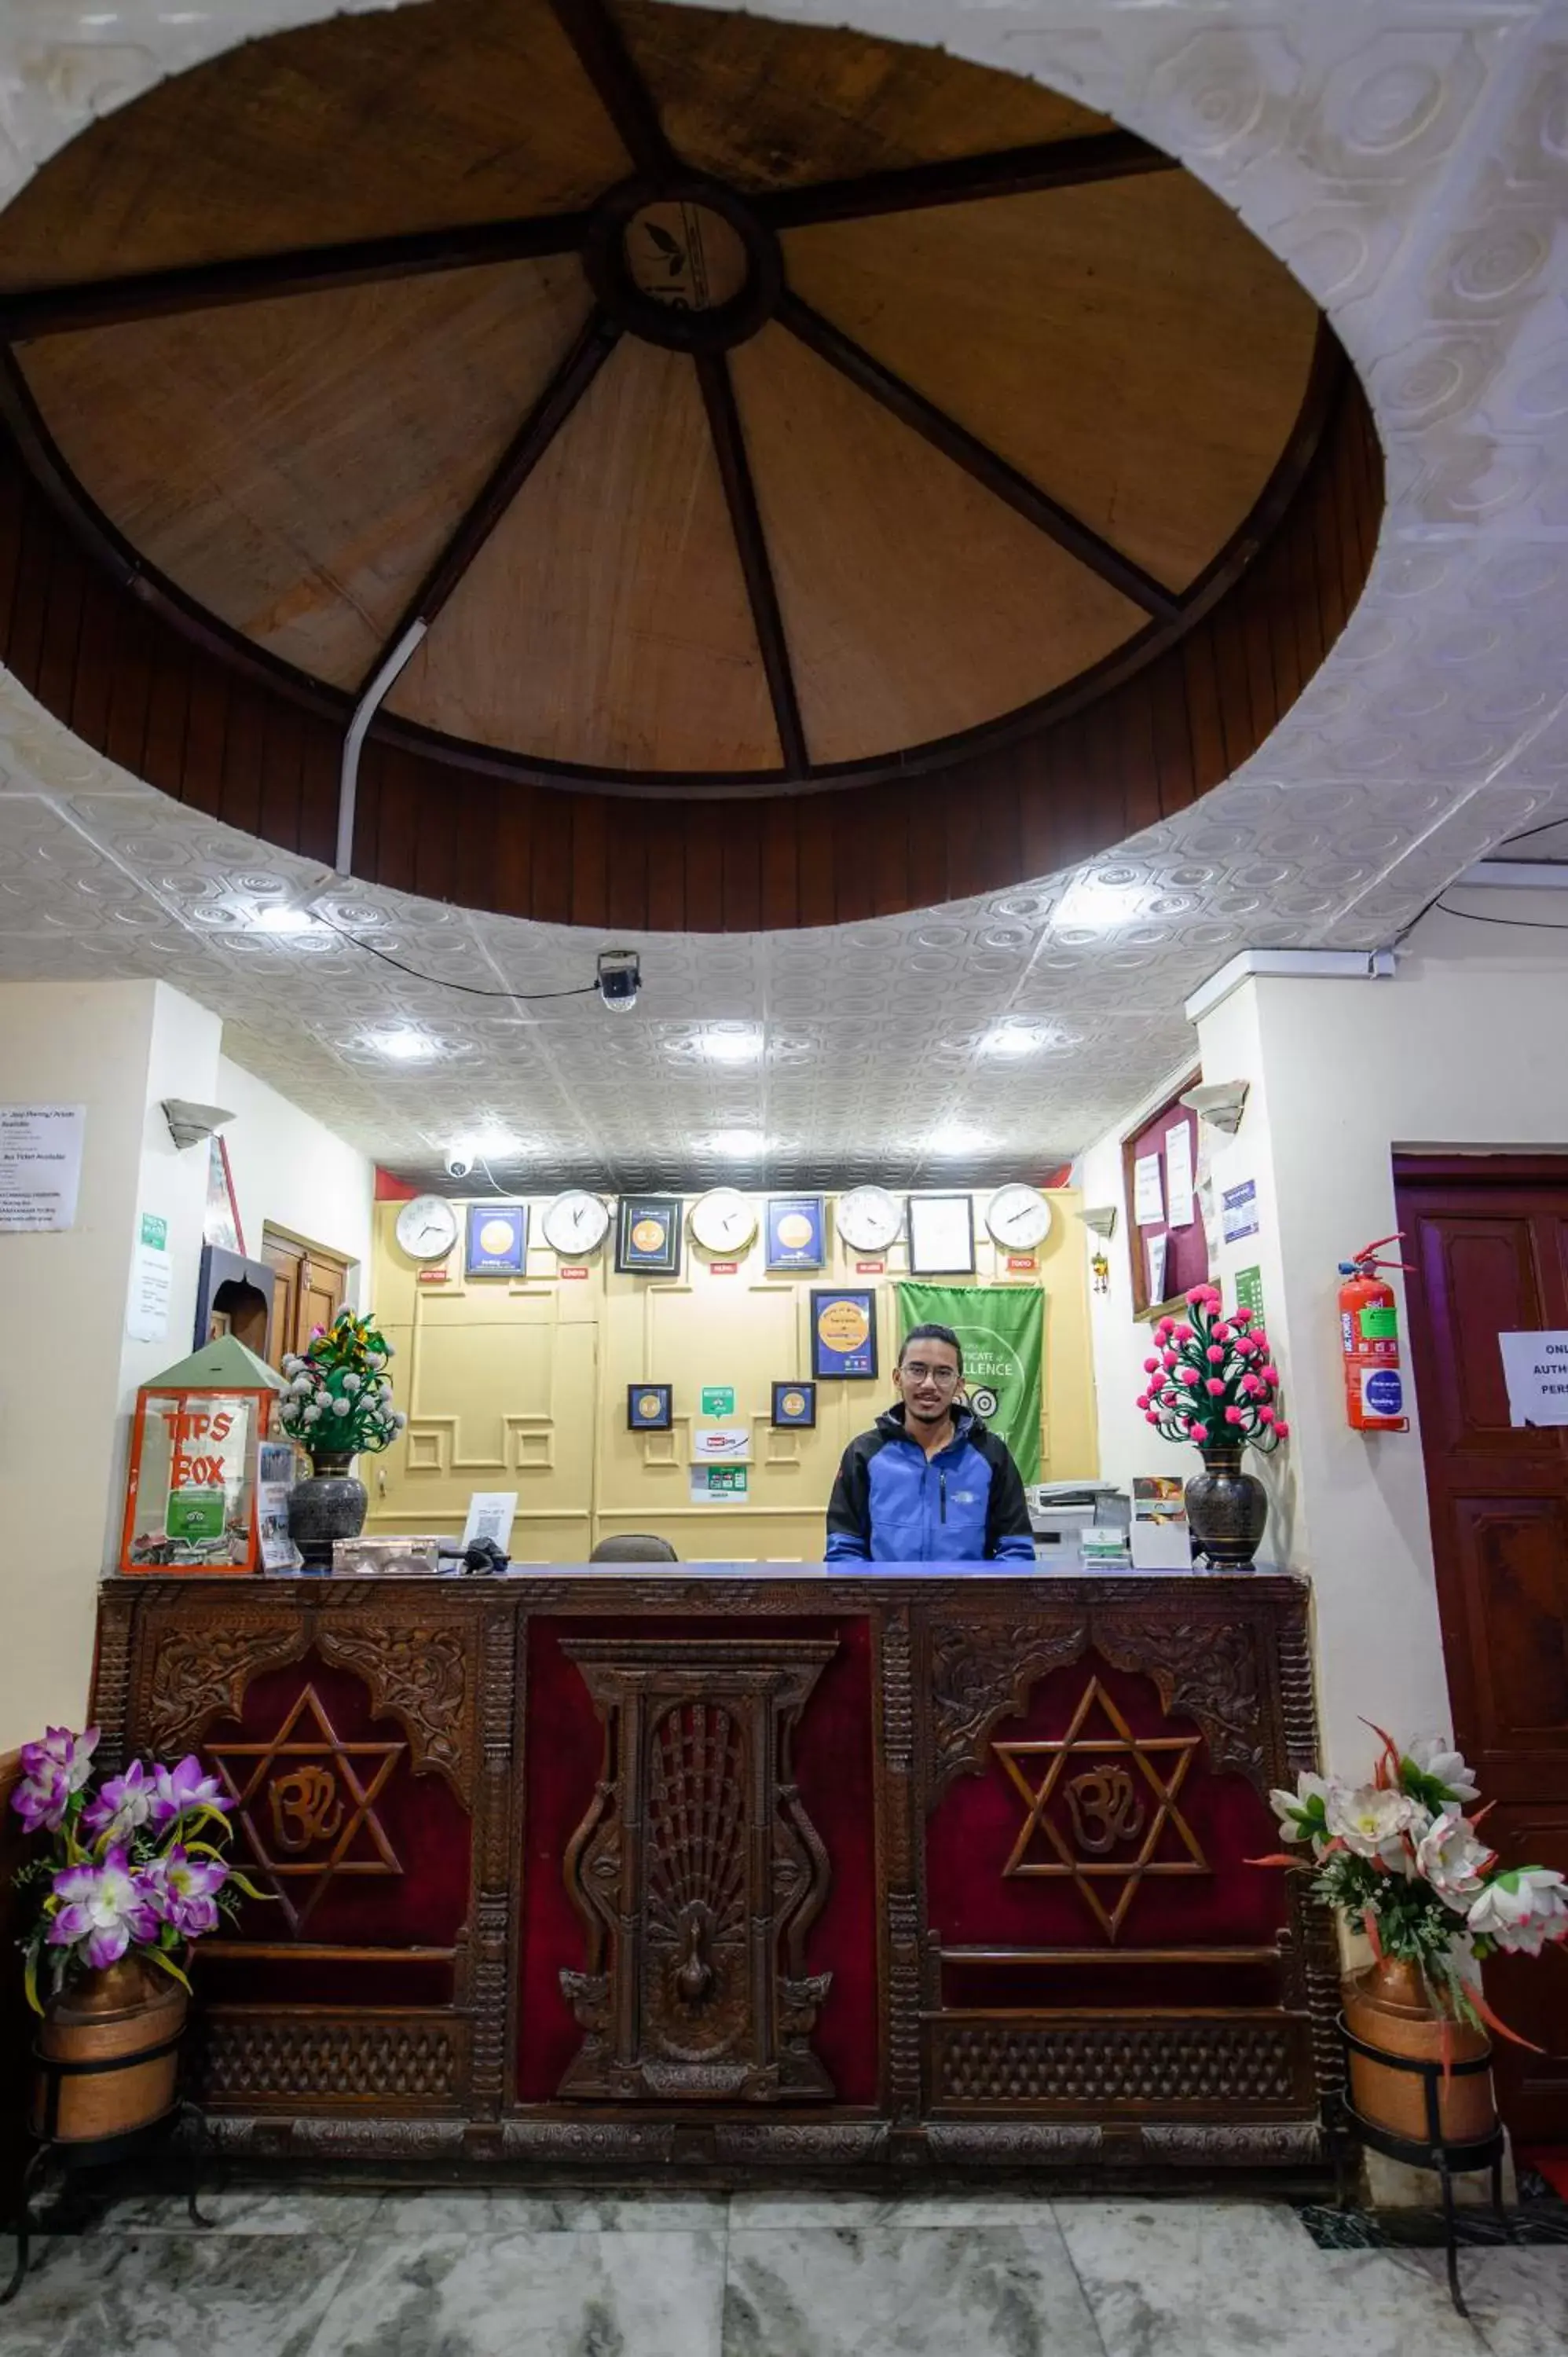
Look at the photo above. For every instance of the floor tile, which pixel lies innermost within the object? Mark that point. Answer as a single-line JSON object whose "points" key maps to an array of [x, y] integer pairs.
{"points": [[498, 2210], [889, 2291], [786, 2208], [242, 2209], [1518, 2300], [550, 2295], [1227, 2279], [172, 2296]]}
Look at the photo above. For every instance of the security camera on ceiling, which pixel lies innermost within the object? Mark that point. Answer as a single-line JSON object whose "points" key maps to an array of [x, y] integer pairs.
{"points": [[1220, 1103], [458, 1163], [620, 979]]}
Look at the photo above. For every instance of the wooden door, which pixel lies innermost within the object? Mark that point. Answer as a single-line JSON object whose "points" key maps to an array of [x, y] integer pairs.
{"points": [[1489, 1238], [310, 1290]]}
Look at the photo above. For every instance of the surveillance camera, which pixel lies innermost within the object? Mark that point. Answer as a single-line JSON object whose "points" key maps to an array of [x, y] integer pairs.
{"points": [[459, 1164], [620, 979]]}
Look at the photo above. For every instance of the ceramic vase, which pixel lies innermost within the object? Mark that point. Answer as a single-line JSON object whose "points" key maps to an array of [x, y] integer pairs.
{"points": [[1226, 1510], [329, 1505]]}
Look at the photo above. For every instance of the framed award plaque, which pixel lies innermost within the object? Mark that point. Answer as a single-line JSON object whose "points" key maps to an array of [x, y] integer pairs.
{"points": [[648, 1235]]}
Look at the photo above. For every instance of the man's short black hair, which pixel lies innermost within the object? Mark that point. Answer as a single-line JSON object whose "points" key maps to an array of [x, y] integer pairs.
{"points": [[932, 1334]]}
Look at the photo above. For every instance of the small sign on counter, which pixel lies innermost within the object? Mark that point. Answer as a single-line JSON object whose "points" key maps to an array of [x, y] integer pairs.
{"points": [[718, 1485]]}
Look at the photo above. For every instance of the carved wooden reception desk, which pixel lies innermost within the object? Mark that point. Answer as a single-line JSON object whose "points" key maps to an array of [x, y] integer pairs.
{"points": [[746, 1864]]}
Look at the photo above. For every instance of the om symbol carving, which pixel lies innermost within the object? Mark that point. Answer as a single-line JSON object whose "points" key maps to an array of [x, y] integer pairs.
{"points": [[306, 1807], [1105, 1809]]}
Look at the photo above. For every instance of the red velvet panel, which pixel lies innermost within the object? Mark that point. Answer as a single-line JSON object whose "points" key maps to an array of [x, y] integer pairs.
{"points": [[428, 1829], [835, 1771], [971, 1833]]}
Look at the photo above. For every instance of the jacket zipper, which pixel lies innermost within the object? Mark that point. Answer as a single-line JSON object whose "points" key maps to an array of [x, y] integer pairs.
{"points": [[943, 1493]]}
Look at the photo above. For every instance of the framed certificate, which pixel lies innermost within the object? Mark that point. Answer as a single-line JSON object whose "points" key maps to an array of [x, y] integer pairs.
{"points": [[794, 1407], [648, 1235], [941, 1235], [795, 1225], [495, 1240], [843, 1334], [649, 1407]]}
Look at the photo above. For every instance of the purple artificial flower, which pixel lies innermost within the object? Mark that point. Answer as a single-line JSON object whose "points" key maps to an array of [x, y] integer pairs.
{"points": [[103, 1909], [182, 1890], [53, 1772], [179, 1789], [121, 1804]]}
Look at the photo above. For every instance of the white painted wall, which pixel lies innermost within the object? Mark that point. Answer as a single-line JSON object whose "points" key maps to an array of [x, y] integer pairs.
{"points": [[291, 1171], [1466, 1048]]}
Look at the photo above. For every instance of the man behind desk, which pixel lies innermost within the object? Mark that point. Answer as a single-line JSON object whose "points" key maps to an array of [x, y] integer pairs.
{"points": [[928, 1483]]}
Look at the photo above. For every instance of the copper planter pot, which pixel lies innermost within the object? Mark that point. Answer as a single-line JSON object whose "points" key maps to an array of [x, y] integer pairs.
{"points": [[128, 2008], [1386, 2005]]}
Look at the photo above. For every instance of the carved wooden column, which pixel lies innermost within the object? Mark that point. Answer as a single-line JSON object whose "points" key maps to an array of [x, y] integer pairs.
{"points": [[697, 1875]]}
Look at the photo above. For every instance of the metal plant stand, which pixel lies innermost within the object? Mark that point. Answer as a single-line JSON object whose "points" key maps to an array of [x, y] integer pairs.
{"points": [[1434, 2151], [100, 2152]]}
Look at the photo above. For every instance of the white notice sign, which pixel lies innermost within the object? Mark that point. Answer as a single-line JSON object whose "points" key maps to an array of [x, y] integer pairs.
{"points": [[1535, 1367], [152, 1282], [40, 1167], [490, 1513], [1178, 1175], [1148, 1203]]}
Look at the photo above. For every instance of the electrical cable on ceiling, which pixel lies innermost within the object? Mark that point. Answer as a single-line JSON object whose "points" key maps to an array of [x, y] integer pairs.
{"points": [[1539, 924], [1473, 917], [469, 989]]}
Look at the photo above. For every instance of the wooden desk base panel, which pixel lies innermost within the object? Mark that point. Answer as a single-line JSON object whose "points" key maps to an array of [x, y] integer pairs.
{"points": [[634, 1869]]}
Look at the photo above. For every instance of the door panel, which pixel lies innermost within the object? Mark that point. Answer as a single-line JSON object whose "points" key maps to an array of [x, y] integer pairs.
{"points": [[1488, 1238], [311, 1287]]}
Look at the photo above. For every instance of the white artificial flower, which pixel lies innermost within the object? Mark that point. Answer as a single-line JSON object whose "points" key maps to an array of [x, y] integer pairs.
{"points": [[1373, 1824], [303, 1386], [1523, 1908], [351, 1383], [386, 1388], [375, 1359], [389, 1352], [292, 1363], [311, 1412], [340, 1406], [1451, 1858], [1435, 1755], [1294, 1810], [399, 1419]]}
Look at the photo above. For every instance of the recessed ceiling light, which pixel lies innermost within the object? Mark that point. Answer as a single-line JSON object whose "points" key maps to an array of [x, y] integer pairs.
{"points": [[735, 1144], [492, 1142], [404, 1046], [1012, 1039], [741, 1044], [281, 919], [956, 1137], [1095, 904]]}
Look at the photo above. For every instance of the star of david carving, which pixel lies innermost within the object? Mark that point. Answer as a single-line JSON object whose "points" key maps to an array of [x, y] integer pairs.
{"points": [[319, 1805], [1103, 1755]]}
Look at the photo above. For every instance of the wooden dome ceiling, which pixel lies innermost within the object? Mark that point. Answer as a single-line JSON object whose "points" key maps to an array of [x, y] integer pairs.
{"points": [[740, 404]]}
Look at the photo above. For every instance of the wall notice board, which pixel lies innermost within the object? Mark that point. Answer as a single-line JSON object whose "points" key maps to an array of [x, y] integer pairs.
{"points": [[1159, 1169]]}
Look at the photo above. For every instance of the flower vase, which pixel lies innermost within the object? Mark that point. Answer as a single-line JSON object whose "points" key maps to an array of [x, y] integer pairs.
{"points": [[1387, 2006], [330, 1504], [128, 2008], [1226, 1508]]}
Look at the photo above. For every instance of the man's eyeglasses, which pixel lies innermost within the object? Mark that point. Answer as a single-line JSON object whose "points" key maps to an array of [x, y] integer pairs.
{"points": [[917, 1372]]}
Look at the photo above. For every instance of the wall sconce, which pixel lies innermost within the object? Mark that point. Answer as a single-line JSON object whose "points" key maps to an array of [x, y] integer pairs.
{"points": [[189, 1124], [1218, 1103], [1100, 1219]]}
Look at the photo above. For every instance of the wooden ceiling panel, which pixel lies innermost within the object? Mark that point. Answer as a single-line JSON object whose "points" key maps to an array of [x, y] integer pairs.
{"points": [[606, 621], [772, 106], [410, 118], [1128, 346], [297, 465], [915, 603]]}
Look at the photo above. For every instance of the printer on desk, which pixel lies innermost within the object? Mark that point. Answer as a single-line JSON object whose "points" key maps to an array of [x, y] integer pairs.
{"points": [[1078, 1522]]}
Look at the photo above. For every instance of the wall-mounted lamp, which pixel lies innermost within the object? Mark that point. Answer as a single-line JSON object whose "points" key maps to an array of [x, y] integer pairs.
{"points": [[1100, 1218], [1218, 1103], [189, 1124]]}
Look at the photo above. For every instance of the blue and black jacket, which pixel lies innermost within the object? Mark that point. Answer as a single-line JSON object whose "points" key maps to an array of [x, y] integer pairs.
{"points": [[892, 1504]]}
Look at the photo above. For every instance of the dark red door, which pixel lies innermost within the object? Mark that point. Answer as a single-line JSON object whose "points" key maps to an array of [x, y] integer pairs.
{"points": [[1489, 1238]]}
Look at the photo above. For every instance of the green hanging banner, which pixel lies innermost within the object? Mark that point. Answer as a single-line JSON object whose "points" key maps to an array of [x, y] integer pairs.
{"points": [[1002, 1330]]}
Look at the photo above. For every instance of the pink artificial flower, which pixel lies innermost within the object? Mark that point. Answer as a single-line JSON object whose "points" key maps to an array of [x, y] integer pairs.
{"points": [[1281, 1429], [122, 1802], [1165, 1328], [1151, 1417], [1215, 1355], [1214, 1387], [178, 1791], [1233, 1415], [1270, 1374], [1251, 1385], [1195, 1429], [53, 1772], [1242, 1316], [1198, 1295], [1260, 1338], [1187, 1375], [103, 1909], [1266, 1415], [182, 1891], [1151, 1366], [1142, 1400], [1168, 1358]]}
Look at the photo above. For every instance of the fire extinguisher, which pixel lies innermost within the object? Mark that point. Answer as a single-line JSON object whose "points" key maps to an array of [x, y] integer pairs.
{"points": [[1369, 1336]]}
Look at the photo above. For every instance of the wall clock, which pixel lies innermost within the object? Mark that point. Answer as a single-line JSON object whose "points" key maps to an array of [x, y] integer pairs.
{"points": [[869, 1218], [427, 1228], [575, 1223], [1018, 1218], [723, 1221]]}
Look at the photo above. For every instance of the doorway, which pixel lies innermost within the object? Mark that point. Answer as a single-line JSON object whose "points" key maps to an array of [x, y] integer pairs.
{"points": [[1488, 1237], [311, 1286]]}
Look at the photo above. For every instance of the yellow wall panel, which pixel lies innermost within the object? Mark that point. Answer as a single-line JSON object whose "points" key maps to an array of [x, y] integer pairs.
{"points": [[522, 1383]]}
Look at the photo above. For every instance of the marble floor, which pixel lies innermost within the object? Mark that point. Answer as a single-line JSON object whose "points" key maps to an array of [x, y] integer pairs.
{"points": [[356, 2273]]}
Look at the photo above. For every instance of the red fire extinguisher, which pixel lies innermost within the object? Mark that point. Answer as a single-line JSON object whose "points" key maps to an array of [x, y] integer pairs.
{"points": [[1369, 1336]]}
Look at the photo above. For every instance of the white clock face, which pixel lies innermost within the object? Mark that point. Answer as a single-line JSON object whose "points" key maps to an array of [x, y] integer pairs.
{"points": [[427, 1228], [1019, 1218], [575, 1223], [723, 1221], [869, 1218]]}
